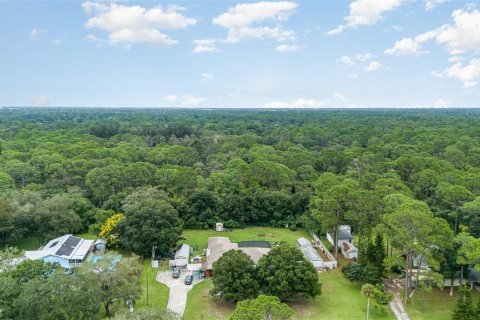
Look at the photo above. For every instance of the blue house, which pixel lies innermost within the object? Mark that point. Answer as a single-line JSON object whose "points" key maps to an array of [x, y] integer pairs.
{"points": [[66, 250]]}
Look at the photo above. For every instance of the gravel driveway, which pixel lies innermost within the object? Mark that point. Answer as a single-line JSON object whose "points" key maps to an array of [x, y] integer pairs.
{"points": [[177, 300]]}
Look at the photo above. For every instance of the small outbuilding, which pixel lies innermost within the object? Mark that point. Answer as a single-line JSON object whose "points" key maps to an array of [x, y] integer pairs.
{"points": [[348, 250], [310, 253], [100, 244], [182, 255], [219, 227]]}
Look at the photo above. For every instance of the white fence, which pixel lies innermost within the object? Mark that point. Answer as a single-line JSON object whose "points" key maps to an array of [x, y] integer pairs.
{"points": [[319, 244]]}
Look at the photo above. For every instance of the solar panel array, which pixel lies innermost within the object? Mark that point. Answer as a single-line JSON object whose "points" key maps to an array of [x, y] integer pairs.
{"points": [[68, 246], [254, 244]]}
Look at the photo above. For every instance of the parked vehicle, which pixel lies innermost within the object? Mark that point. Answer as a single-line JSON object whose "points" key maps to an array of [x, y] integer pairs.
{"points": [[175, 273], [188, 280]]}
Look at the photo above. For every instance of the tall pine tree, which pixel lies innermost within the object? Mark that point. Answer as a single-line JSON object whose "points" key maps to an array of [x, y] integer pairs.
{"points": [[464, 309]]}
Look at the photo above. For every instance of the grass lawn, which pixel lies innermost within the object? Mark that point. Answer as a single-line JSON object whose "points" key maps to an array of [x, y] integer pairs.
{"points": [[201, 306], [29, 243], [438, 305], [340, 299], [157, 292], [199, 238]]}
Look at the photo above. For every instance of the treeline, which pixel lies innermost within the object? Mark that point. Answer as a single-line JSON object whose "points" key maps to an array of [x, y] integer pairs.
{"points": [[68, 170]]}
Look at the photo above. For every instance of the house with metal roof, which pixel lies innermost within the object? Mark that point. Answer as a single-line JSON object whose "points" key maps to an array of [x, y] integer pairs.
{"points": [[310, 253], [217, 246], [182, 255], [344, 241], [66, 250]]}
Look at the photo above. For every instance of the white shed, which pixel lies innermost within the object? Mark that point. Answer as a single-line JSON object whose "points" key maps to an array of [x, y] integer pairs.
{"points": [[219, 227], [349, 251], [182, 255], [310, 253]]}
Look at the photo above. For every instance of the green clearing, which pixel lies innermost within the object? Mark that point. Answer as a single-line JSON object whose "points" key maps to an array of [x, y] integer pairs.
{"points": [[29, 243], [340, 300], [157, 292], [201, 306], [438, 305], [199, 238]]}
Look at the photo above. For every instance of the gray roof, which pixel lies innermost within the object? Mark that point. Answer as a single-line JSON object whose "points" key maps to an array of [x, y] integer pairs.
{"points": [[308, 250], [183, 251], [344, 235], [474, 275]]}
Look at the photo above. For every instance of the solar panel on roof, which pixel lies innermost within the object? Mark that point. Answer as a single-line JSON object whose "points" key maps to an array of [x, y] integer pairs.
{"points": [[64, 251], [72, 241], [68, 246]]}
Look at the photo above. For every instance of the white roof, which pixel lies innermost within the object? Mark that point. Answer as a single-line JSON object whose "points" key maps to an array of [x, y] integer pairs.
{"points": [[67, 246], [308, 250], [183, 251]]}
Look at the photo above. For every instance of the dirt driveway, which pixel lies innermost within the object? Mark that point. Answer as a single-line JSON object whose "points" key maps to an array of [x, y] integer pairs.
{"points": [[177, 300]]}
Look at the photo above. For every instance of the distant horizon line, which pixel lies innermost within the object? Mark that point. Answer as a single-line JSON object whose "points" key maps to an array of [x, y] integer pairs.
{"points": [[239, 108]]}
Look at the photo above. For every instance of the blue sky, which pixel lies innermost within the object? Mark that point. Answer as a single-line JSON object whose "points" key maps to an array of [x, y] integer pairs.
{"points": [[294, 54]]}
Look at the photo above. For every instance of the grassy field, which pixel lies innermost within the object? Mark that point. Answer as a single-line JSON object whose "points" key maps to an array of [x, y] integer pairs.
{"points": [[157, 292], [199, 238], [340, 300], [29, 243], [201, 306], [438, 305]]}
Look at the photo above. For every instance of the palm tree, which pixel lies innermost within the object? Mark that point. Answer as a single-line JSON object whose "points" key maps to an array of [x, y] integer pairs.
{"points": [[368, 291]]}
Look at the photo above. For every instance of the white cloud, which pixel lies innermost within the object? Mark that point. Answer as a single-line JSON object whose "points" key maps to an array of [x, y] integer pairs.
{"points": [[430, 4], [287, 48], [35, 33], [440, 103], [346, 60], [171, 98], [461, 36], [299, 103], [207, 76], [437, 74], [57, 42], [467, 73], [135, 24], [360, 57], [364, 57], [189, 101], [406, 46], [454, 59], [366, 12], [244, 21], [464, 35], [205, 45], [373, 66], [339, 96], [411, 47], [39, 101]]}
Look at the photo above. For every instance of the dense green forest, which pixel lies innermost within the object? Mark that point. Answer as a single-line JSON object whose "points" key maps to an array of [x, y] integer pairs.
{"points": [[69, 170], [407, 181]]}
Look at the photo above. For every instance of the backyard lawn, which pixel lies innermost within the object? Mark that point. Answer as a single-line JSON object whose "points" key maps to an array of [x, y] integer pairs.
{"points": [[438, 305], [201, 306], [340, 299], [29, 243], [199, 238], [157, 292]]}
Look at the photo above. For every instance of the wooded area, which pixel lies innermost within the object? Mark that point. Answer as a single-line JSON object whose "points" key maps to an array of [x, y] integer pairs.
{"points": [[411, 177]]}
